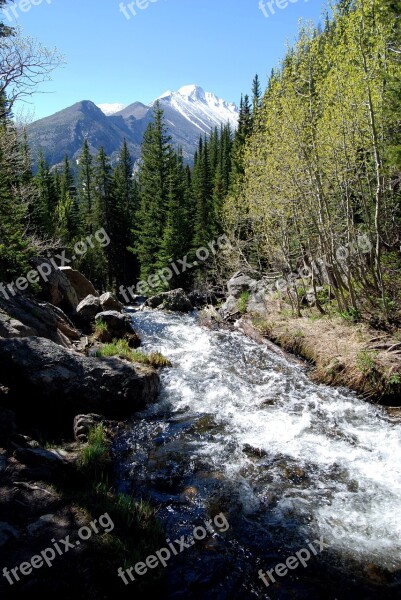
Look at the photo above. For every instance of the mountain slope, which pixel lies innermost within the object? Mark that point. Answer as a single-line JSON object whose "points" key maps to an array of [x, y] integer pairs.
{"points": [[188, 112]]}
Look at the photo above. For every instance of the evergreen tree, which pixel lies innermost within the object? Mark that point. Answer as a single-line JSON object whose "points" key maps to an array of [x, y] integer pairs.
{"points": [[85, 187], [45, 206], [155, 168], [121, 221]]}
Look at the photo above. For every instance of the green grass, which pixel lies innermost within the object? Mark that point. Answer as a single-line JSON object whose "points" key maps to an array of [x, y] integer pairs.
{"points": [[121, 349], [366, 361], [100, 327], [137, 532], [243, 302], [95, 455]]}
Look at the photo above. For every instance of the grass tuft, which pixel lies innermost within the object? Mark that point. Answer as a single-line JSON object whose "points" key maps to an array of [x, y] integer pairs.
{"points": [[121, 349]]}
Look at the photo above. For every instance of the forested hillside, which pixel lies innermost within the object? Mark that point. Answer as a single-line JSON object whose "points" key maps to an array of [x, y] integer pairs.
{"points": [[321, 182], [309, 182]]}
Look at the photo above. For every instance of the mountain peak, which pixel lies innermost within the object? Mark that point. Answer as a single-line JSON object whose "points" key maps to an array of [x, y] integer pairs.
{"points": [[192, 91], [203, 109]]}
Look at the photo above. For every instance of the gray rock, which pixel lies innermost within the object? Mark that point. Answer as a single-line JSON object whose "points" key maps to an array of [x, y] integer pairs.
{"points": [[88, 308], [119, 326], [82, 425], [23, 316], [3, 460], [175, 300], [109, 302], [7, 425], [42, 523], [57, 289], [54, 382], [7, 533], [38, 457], [81, 285], [116, 322], [229, 308], [240, 283]]}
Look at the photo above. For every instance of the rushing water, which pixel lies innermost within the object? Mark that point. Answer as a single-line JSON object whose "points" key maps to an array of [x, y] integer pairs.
{"points": [[241, 430]]}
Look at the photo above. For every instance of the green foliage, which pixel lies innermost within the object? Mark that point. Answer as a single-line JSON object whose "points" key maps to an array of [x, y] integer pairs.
{"points": [[100, 327], [121, 349], [243, 302], [366, 361], [95, 456], [352, 315]]}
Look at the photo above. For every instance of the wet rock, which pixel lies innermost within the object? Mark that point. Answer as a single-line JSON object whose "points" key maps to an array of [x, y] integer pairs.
{"points": [[55, 382], [88, 308], [176, 301], [209, 316], [252, 451], [81, 285]]}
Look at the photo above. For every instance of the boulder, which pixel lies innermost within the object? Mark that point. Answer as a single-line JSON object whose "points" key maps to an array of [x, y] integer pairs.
{"points": [[109, 302], [10, 327], [119, 326], [57, 288], [53, 383], [38, 457], [23, 316], [7, 425], [81, 285], [8, 533], [88, 308], [176, 300], [82, 425], [240, 283], [200, 299], [229, 308]]}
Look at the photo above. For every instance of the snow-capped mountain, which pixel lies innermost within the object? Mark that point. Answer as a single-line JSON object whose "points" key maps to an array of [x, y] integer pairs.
{"points": [[189, 113], [111, 109], [203, 109]]}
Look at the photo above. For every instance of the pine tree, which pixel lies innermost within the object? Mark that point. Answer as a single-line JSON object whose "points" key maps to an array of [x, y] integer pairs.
{"points": [[202, 185], [157, 156], [121, 221], [85, 187], [44, 209]]}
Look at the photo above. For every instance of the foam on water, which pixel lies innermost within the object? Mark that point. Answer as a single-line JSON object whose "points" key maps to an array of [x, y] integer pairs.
{"points": [[348, 450]]}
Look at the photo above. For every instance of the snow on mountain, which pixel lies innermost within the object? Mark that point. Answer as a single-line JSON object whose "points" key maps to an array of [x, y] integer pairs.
{"points": [[203, 109], [189, 113], [111, 109]]}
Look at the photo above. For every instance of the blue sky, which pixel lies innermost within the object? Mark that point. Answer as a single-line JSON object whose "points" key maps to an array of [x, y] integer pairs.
{"points": [[217, 44]]}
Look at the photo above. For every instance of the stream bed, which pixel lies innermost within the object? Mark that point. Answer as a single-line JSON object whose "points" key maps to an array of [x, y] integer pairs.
{"points": [[243, 431]]}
